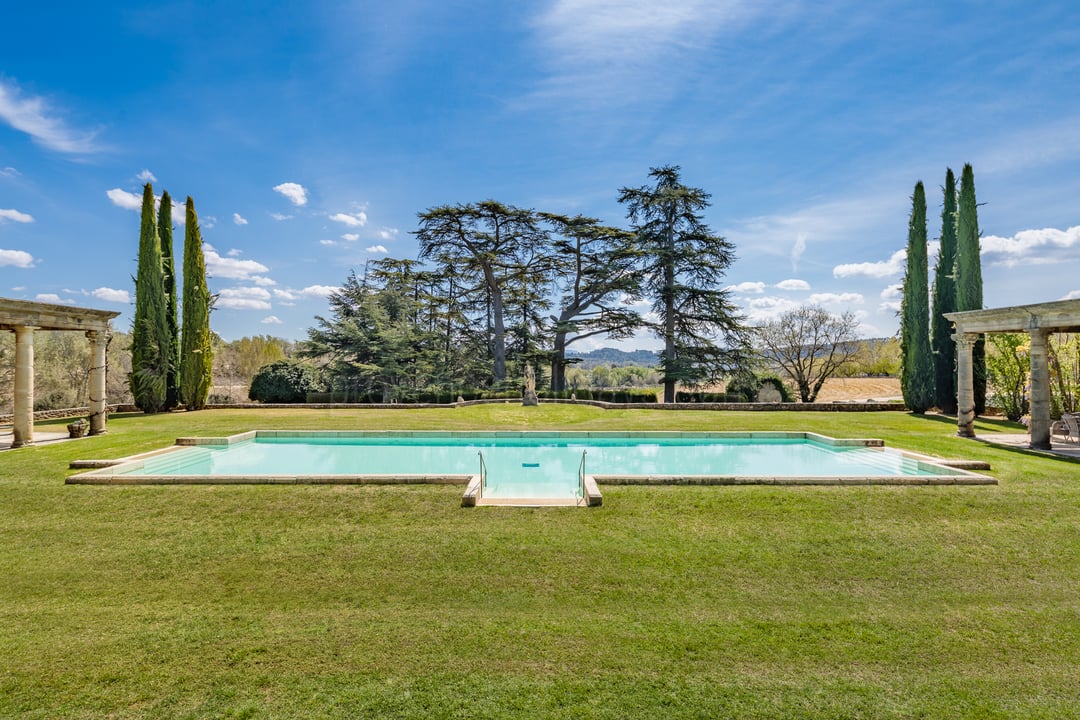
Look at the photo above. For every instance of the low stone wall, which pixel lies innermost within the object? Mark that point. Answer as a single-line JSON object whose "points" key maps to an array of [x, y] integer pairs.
{"points": [[798, 407], [69, 413]]}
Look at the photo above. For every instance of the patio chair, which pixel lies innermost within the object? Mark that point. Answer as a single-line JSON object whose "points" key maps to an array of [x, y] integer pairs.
{"points": [[1068, 427]]}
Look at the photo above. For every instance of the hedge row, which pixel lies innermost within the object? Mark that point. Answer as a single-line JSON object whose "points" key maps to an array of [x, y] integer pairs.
{"points": [[446, 397]]}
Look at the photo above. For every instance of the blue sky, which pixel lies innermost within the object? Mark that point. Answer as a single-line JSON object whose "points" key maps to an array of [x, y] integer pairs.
{"points": [[311, 133]]}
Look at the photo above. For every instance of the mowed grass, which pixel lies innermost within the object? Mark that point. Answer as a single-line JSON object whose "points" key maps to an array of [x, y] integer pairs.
{"points": [[667, 602]]}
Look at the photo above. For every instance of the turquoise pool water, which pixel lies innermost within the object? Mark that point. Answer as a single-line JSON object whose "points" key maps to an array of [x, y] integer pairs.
{"points": [[534, 465]]}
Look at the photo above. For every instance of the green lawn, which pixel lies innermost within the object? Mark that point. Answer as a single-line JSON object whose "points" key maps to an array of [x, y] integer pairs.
{"points": [[393, 602]]}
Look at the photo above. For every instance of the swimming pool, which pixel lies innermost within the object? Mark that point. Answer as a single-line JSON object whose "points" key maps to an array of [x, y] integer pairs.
{"points": [[518, 466]]}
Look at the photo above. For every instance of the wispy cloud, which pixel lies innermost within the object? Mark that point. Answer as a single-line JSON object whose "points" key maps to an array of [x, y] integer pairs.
{"points": [[239, 219], [33, 116], [350, 237], [15, 216], [748, 287], [9, 172], [280, 216], [296, 192], [146, 176], [16, 258], [624, 50], [388, 233]]}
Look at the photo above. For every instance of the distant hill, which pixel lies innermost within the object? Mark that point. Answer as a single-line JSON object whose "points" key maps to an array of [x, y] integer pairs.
{"points": [[615, 358]]}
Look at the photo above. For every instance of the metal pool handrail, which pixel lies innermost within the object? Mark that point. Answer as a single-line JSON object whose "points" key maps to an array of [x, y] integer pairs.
{"points": [[483, 474], [581, 474]]}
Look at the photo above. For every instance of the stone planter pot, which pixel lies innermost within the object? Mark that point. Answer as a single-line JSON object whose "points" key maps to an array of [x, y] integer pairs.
{"points": [[78, 429]]}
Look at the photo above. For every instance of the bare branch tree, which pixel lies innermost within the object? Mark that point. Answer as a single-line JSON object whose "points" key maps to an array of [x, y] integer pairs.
{"points": [[810, 345]]}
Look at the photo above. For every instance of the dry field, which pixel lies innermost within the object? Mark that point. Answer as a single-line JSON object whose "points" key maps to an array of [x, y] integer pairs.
{"points": [[862, 388]]}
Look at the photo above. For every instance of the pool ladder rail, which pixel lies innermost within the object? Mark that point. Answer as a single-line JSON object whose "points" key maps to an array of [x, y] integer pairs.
{"points": [[587, 494]]}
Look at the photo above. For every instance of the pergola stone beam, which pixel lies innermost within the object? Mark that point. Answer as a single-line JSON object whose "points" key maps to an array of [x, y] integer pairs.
{"points": [[23, 318], [1038, 321]]}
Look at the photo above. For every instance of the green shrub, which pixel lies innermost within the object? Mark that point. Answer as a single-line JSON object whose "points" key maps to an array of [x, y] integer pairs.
{"points": [[284, 381]]}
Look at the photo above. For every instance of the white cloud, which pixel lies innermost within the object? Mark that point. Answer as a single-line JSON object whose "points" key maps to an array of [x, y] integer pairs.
{"points": [[124, 199], [377, 249], [271, 320], [748, 287], [890, 306], [328, 243], [262, 281], [223, 267], [388, 233], [793, 284], [9, 172], [111, 295], [243, 298], [767, 308], [33, 116], [358, 219], [892, 292], [132, 201], [835, 298], [207, 222], [16, 216], [239, 219], [1032, 247], [797, 251], [281, 294], [350, 237], [296, 192], [52, 298], [1073, 295], [893, 266], [146, 176], [235, 252], [279, 216], [16, 258], [318, 291]]}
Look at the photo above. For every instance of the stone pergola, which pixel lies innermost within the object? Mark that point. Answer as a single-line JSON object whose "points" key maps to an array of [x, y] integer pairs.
{"points": [[23, 318], [1038, 321]]}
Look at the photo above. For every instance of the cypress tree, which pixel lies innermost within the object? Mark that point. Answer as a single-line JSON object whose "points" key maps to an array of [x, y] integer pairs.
{"points": [[916, 367], [149, 331], [941, 341], [968, 275], [168, 268], [196, 353]]}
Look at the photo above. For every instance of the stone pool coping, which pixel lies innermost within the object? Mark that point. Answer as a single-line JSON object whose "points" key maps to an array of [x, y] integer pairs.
{"points": [[116, 472]]}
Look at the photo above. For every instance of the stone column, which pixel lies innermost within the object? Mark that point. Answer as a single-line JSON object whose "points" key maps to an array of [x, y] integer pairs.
{"points": [[24, 387], [965, 385], [1040, 390], [99, 341]]}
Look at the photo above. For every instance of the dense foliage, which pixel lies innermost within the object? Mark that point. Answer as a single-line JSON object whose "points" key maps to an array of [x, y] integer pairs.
{"points": [[284, 381], [941, 341], [968, 275], [151, 344], [1007, 372], [196, 351], [497, 288], [168, 268], [916, 367]]}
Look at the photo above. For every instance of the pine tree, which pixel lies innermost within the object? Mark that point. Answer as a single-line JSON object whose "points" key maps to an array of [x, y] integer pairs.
{"points": [[916, 367], [168, 267], [150, 331], [196, 353], [969, 291], [683, 268], [941, 340]]}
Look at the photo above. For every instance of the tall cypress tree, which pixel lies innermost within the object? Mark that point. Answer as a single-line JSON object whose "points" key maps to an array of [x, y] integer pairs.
{"points": [[149, 331], [168, 268], [196, 353], [941, 341], [917, 367], [969, 291]]}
